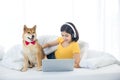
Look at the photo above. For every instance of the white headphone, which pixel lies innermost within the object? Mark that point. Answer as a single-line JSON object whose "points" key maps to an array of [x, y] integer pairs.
{"points": [[72, 29]]}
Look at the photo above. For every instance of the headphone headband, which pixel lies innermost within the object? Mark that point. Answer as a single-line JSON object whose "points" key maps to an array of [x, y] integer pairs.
{"points": [[72, 29]]}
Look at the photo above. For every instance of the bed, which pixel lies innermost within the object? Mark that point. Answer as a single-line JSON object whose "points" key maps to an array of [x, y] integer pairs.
{"points": [[111, 72], [95, 65]]}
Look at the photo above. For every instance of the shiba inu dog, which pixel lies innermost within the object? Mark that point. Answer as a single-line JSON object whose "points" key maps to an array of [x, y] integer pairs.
{"points": [[32, 50]]}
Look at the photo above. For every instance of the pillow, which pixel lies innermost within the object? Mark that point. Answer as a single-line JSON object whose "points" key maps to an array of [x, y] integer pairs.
{"points": [[83, 50], [95, 53], [45, 39], [98, 61], [2, 52]]}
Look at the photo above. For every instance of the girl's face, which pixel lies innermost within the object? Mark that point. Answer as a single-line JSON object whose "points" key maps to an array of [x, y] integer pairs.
{"points": [[66, 36]]}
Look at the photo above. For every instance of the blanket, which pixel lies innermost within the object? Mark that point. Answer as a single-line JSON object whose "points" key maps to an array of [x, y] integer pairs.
{"points": [[13, 58]]}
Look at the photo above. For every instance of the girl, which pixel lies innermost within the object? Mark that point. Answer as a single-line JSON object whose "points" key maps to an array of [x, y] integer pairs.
{"points": [[68, 47]]}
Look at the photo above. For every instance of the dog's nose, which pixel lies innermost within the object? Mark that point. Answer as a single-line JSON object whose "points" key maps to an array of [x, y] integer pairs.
{"points": [[32, 36]]}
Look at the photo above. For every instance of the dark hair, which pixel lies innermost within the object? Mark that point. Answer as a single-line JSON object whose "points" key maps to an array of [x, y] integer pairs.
{"points": [[67, 27]]}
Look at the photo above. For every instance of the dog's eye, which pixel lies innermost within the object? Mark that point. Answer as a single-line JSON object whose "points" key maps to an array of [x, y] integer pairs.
{"points": [[33, 32], [28, 32]]}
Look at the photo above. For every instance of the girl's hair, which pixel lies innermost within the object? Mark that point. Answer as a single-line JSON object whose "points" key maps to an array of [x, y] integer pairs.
{"points": [[71, 29]]}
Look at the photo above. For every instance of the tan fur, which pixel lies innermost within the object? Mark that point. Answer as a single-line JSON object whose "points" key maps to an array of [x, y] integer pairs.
{"points": [[33, 54]]}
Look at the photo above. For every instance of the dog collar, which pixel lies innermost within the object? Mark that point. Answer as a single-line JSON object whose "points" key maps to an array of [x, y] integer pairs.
{"points": [[27, 43]]}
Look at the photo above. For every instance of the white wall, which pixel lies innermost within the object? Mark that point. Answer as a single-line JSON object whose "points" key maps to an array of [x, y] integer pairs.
{"points": [[48, 15], [94, 19], [11, 22]]}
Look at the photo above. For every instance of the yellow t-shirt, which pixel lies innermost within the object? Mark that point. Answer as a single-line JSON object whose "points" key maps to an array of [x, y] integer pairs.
{"points": [[66, 52]]}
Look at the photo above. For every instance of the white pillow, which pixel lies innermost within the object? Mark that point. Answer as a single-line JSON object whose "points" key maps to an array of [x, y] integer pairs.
{"points": [[95, 53], [45, 39], [94, 62], [83, 50], [2, 52]]}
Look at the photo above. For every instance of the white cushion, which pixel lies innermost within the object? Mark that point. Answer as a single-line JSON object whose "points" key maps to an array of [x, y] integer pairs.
{"points": [[83, 49], [45, 39], [97, 59], [2, 52], [94, 53]]}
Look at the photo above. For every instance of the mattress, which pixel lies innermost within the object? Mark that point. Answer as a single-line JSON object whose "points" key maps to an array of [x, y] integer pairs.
{"points": [[111, 72]]}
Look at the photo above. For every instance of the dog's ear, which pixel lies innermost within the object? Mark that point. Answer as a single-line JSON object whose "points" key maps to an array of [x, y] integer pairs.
{"points": [[25, 27], [34, 27]]}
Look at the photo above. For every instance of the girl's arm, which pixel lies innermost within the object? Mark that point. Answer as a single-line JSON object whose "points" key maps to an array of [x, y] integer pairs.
{"points": [[53, 43], [77, 60]]}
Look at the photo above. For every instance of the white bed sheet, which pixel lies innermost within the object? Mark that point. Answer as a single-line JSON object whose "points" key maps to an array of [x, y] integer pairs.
{"points": [[111, 72]]}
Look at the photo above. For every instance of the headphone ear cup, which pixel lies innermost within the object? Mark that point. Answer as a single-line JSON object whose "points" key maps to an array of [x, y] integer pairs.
{"points": [[72, 35]]}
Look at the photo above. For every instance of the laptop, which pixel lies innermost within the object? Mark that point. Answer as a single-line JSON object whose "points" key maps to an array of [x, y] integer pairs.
{"points": [[55, 65]]}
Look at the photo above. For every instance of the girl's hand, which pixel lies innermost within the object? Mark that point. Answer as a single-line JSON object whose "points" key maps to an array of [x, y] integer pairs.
{"points": [[76, 65], [77, 60]]}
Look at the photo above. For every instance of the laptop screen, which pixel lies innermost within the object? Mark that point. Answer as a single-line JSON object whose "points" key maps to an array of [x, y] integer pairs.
{"points": [[57, 65]]}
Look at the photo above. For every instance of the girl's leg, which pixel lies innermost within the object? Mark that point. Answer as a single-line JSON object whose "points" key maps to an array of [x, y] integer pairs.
{"points": [[51, 56]]}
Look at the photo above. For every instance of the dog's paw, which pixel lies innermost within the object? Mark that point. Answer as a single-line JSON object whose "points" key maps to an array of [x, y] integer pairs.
{"points": [[39, 68], [23, 70], [30, 66]]}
